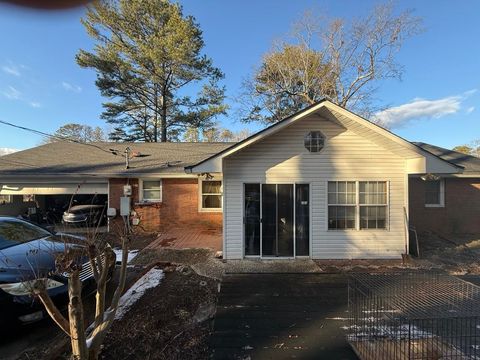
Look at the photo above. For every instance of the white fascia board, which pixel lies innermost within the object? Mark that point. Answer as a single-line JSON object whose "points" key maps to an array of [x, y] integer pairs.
{"points": [[416, 165], [37, 179], [29, 178], [428, 164], [214, 165], [433, 164]]}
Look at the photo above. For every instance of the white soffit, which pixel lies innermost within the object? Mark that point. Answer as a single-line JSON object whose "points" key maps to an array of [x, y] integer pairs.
{"points": [[14, 188]]}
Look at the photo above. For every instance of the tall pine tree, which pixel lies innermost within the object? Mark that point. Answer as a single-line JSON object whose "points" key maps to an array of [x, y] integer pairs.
{"points": [[147, 56]]}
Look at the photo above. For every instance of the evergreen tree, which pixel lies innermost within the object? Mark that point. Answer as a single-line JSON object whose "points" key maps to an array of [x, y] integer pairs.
{"points": [[147, 56]]}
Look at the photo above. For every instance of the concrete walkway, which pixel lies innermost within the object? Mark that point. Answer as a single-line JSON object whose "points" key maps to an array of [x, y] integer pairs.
{"points": [[281, 316]]}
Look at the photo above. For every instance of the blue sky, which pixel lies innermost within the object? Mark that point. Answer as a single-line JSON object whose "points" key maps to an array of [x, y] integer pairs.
{"points": [[437, 101]]}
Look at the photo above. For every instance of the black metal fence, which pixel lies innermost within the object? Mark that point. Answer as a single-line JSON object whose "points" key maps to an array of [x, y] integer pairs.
{"points": [[413, 316]]}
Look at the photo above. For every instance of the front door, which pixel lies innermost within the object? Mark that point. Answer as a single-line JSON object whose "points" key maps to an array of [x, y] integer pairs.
{"points": [[276, 220]]}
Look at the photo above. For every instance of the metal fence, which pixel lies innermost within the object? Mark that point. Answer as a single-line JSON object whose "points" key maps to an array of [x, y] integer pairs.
{"points": [[413, 316]]}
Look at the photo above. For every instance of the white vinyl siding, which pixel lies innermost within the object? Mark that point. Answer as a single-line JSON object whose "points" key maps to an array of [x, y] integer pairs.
{"points": [[282, 158]]}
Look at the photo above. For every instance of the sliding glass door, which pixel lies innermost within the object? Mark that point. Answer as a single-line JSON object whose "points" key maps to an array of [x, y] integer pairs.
{"points": [[269, 219], [302, 220], [276, 220], [252, 219]]}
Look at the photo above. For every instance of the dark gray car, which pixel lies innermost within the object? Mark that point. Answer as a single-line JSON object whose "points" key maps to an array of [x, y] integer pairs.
{"points": [[28, 252], [86, 215]]}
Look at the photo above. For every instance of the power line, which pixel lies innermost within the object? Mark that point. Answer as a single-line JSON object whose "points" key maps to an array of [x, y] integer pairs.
{"points": [[59, 138], [15, 162]]}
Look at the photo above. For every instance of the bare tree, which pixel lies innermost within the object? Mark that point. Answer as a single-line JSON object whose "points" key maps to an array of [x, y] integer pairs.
{"points": [[473, 148], [97, 253], [77, 132], [215, 134], [340, 61]]}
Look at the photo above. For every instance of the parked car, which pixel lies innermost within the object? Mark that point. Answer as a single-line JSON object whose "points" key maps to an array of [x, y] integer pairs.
{"points": [[28, 252], [86, 215]]}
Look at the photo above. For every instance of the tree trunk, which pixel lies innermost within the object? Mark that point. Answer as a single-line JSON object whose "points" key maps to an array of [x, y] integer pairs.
{"points": [[75, 314], [163, 119]]}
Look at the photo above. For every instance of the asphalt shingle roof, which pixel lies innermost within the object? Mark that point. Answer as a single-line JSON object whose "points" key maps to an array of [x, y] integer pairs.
{"points": [[468, 162], [67, 158]]}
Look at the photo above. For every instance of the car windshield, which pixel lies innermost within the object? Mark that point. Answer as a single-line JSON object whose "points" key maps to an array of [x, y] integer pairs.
{"points": [[14, 232]]}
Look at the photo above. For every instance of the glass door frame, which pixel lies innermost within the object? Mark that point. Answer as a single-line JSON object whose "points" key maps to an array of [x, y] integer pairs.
{"points": [[270, 257]]}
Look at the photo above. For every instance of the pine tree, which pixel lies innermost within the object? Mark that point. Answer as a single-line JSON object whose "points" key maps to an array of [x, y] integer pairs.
{"points": [[147, 56]]}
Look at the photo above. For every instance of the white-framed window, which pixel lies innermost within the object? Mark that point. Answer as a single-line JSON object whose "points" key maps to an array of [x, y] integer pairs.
{"points": [[341, 205], [6, 199], [435, 193], [151, 190], [357, 205], [314, 141], [28, 198], [210, 195], [373, 204]]}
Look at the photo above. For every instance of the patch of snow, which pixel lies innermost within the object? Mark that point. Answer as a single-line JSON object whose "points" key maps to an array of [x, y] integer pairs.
{"points": [[380, 311], [131, 255], [385, 331], [150, 280]]}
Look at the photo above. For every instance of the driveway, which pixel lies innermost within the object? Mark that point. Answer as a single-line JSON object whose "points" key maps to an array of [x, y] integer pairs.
{"points": [[281, 316]]}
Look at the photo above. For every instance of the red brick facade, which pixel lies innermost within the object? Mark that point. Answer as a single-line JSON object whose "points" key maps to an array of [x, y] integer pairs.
{"points": [[460, 215], [179, 206]]}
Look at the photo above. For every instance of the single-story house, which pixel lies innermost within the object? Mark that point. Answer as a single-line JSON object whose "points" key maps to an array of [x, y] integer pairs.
{"points": [[323, 183], [161, 193]]}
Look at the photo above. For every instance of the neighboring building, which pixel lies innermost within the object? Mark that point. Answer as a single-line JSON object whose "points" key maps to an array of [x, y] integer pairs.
{"points": [[323, 183], [450, 204], [162, 193]]}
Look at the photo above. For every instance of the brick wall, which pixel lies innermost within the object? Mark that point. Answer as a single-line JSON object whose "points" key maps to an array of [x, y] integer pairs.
{"points": [[179, 206], [461, 214]]}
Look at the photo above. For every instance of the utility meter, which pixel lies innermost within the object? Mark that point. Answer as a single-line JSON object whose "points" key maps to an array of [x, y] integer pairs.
{"points": [[127, 190]]}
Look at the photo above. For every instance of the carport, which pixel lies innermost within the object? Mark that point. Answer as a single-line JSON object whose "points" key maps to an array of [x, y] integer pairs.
{"points": [[39, 197]]}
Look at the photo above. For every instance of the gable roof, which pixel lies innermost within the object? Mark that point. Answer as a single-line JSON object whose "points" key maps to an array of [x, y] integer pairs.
{"points": [[73, 159], [469, 163], [347, 119]]}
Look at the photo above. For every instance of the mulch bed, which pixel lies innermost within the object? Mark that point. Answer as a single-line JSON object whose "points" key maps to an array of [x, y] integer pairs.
{"points": [[161, 324]]}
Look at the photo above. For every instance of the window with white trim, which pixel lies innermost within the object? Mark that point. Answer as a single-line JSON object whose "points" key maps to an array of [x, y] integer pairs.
{"points": [[5, 199], [314, 141], [211, 195], [373, 204], [435, 193], [341, 204], [151, 190], [357, 205]]}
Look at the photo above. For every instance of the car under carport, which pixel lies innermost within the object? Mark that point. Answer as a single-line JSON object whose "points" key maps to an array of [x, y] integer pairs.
{"points": [[43, 200]]}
